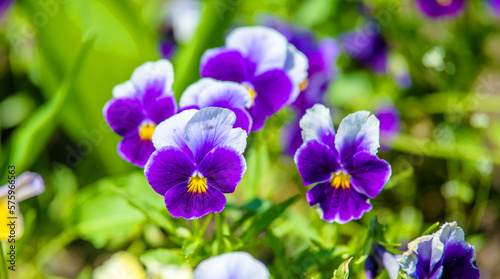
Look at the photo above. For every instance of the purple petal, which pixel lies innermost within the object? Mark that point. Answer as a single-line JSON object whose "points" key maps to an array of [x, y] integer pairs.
{"points": [[171, 132], [368, 173], [153, 79], [317, 124], [316, 162], [495, 7], [357, 132], [124, 115], [390, 122], [223, 167], [273, 90], [228, 65], [167, 167], [340, 204], [436, 8], [459, 261], [135, 150], [181, 203], [243, 119], [212, 127], [161, 109]]}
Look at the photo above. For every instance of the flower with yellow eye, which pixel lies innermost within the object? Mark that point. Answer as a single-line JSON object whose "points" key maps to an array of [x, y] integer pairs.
{"points": [[138, 106]]}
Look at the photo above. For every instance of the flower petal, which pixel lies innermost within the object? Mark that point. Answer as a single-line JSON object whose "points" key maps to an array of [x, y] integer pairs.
{"points": [[171, 131], [161, 109], [243, 120], [124, 115], [125, 90], [369, 174], [296, 66], [340, 204], [212, 127], [225, 94], [262, 45], [181, 203], [357, 132], [459, 261], [223, 167], [233, 265], [226, 65], [154, 79], [168, 167], [190, 97], [273, 90], [316, 162], [317, 125], [135, 150]]}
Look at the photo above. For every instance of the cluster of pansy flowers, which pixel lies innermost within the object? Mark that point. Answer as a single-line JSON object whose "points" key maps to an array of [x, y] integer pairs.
{"points": [[193, 154]]}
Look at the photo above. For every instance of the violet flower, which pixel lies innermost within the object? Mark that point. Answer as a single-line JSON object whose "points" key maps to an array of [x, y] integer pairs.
{"points": [[4, 5], [233, 265], [379, 260], [367, 46], [198, 158], [137, 106], [441, 8], [345, 166], [444, 254], [390, 123], [208, 92], [495, 7], [264, 62]]}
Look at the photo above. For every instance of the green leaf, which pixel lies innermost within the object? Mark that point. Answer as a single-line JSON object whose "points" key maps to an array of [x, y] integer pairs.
{"points": [[190, 245], [430, 229], [342, 272], [263, 220], [163, 256]]}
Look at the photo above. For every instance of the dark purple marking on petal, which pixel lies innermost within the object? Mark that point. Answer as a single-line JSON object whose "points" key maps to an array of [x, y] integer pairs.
{"points": [[124, 115], [316, 162], [181, 203], [229, 65], [273, 90], [369, 174], [135, 150], [167, 167], [161, 109], [458, 261], [340, 204], [223, 167]]}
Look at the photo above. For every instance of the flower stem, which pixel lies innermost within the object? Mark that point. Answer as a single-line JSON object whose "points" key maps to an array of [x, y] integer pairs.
{"points": [[205, 225], [219, 219], [5, 273], [195, 227]]}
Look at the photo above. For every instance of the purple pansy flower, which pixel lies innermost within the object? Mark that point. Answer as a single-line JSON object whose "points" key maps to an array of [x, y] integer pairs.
{"points": [[444, 254], [380, 259], [495, 7], [138, 105], [390, 123], [367, 46], [441, 8], [262, 60], [345, 166], [233, 265], [4, 5], [198, 158], [208, 92]]}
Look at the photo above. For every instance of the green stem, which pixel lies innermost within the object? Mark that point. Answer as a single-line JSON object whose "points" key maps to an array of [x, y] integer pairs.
{"points": [[205, 225], [219, 223], [53, 247], [195, 227], [5, 273]]}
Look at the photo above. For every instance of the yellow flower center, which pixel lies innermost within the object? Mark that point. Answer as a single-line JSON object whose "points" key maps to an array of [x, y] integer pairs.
{"points": [[146, 131], [303, 85], [444, 2], [340, 180], [197, 184], [252, 93]]}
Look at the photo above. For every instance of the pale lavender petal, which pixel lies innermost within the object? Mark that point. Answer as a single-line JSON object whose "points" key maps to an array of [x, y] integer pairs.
{"points": [[182, 203], [171, 132], [154, 79], [340, 204], [135, 150], [124, 115], [223, 168], [369, 174], [316, 162], [190, 97], [317, 124], [168, 167], [233, 265], [357, 132], [225, 94]]}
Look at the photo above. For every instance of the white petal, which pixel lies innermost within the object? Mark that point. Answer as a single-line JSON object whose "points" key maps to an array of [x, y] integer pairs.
{"points": [[262, 45], [296, 66], [234, 265], [316, 122], [28, 184], [234, 94], [152, 72], [125, 90], [211, 127], [193, 92], [357, 132], [171, 131]]}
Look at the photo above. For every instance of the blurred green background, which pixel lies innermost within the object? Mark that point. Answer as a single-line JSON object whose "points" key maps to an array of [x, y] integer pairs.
{"points": [[59, 60]]}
